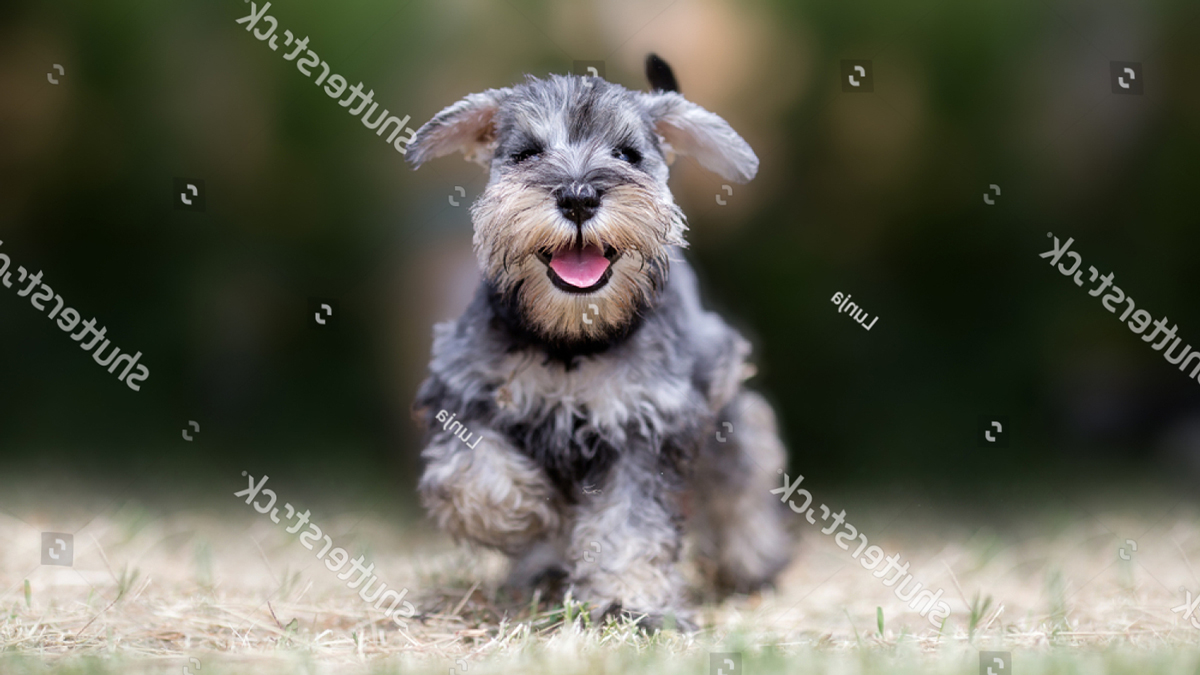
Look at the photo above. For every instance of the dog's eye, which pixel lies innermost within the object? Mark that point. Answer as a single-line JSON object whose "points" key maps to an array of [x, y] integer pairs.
{"points": [[525, 154], [627, 155]]}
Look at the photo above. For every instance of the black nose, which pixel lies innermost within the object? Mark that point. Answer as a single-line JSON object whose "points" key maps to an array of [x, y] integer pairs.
{"points": [[578, 202]]}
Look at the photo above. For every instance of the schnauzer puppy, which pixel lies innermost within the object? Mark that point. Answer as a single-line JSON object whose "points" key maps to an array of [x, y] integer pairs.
{"points": [[586, 403]]}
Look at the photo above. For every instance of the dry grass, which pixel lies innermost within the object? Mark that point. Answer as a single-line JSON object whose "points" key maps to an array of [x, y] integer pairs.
{"points": [[232, 592]]}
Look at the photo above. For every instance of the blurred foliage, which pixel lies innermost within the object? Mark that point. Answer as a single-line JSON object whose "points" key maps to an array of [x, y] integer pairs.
{"points": [[877, 195]]}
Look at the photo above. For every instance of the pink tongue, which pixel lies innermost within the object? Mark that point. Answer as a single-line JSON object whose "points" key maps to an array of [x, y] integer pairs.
{"points": [[579, 267]]}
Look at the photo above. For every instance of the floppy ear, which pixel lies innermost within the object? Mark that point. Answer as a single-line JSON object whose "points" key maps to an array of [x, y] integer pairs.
{"points": [[466, 127], [692, 130]]}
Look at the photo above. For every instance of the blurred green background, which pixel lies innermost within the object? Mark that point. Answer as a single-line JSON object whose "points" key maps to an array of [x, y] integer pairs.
{"points": [[874, 194]]}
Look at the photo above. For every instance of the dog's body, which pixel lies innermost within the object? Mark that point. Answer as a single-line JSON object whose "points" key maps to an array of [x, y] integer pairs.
{"points": [[593, 385]]}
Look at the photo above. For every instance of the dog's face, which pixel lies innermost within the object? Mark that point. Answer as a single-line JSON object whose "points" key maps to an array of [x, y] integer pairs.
{"points": [[576, 223]]}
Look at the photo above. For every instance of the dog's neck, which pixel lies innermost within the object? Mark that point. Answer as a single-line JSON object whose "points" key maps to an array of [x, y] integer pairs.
{"points": [[506, 316]]}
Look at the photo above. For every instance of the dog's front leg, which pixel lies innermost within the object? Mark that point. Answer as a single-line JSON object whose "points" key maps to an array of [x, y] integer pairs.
{"points": [[626, 541], [488, 492]]}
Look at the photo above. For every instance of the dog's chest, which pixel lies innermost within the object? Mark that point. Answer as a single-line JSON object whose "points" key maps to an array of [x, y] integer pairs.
{"points": [[612, 396], [576, 422]]}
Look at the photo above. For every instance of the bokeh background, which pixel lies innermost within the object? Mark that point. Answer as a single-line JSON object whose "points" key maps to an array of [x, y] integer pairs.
{"points": [[874, 194]]}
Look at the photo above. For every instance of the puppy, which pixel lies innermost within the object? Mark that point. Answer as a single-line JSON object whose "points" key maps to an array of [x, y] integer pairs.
{"points": [[585, 391]]}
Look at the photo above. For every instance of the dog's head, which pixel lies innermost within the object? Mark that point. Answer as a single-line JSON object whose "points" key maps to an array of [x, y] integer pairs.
{"points": [[574, 228]]}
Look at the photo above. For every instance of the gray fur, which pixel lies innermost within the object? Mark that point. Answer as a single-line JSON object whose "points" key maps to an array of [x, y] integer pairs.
{"points": [[593, 435]]}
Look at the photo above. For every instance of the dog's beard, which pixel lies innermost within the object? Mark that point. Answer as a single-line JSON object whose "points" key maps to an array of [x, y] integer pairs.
{"points": [[518, 226]]}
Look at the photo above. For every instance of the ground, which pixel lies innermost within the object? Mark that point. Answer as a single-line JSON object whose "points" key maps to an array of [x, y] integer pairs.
{"points": [[1075, 584]]}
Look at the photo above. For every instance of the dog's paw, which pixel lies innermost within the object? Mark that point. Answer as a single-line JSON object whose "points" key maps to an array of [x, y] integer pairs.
{"points": [[549, 583], [489, 494], [650, 622], [749, 576]]}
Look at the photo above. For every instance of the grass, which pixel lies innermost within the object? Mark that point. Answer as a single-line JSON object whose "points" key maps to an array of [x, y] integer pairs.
{"points": [[209, 591]]}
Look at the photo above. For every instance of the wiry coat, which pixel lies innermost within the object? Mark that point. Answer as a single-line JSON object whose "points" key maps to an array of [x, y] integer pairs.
{"points": [[595, 413]]}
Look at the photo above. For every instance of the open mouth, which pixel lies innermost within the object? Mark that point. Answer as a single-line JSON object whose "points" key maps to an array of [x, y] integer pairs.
{"points": [[576, 269]]}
